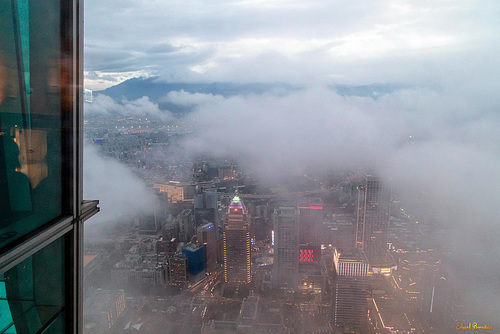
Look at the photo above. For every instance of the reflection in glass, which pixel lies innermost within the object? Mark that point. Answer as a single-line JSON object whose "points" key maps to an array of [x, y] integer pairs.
{"points": [[30, 297], [30, 116]]}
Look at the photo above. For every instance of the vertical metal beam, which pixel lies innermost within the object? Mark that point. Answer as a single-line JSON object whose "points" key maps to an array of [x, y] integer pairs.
{"points": [[72, 108], [78, 163], [78, 230]]}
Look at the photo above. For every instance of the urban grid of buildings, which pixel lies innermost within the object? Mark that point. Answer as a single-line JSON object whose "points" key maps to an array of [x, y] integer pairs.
{"points": [[338, 255]]}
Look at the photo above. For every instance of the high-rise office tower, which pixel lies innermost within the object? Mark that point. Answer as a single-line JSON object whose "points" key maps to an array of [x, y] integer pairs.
{"points": [[186, 225], [350, 293], [195, 258], [206, 236], [311, 222], [206, 208], [157, 217], [236, 243], [160, 210], [373, 219], [286, 248], [178, 270], [41, 200]]}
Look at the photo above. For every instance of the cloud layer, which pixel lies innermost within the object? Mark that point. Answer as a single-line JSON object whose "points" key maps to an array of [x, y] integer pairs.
{"points": [[318, 126], [120, 192], [103, 105]]}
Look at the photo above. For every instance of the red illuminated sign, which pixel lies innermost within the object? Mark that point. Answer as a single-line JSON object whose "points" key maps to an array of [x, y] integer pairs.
{"points": [[306, 255], [309, 253], [312, 207]]}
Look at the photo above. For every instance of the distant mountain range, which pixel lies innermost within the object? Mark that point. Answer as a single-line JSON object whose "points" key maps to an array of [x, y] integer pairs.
{"points": [[155, 89], [373, 90], [136, 88]]}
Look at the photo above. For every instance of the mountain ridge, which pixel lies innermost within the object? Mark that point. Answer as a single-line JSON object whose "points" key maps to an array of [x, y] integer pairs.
{"points": [[156, 90], [136, 88]]}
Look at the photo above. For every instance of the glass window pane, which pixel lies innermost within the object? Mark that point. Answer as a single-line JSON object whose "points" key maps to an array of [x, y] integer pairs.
{"points": [[56, 327], [32, 293], [10, 330], [30, 116]]}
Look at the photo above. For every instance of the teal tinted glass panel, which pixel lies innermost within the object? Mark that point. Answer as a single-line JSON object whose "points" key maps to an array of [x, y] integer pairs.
{"points": [[6, 321], [10, 330], [30, 116], [32, 293]]}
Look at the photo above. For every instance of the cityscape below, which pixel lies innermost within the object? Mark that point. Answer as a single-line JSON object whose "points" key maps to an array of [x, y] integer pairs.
{"points": [[217, 250]]}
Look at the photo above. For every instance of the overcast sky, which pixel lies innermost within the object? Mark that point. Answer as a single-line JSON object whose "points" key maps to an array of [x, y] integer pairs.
{"points": [[315, 41]]}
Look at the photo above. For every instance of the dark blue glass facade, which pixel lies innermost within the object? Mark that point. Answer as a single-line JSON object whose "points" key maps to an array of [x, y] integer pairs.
{"points": [[195, 259]]}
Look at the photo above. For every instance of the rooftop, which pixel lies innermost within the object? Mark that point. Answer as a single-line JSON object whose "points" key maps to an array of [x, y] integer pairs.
{"points": [[192, 246], [236, 205], [350, 255]]}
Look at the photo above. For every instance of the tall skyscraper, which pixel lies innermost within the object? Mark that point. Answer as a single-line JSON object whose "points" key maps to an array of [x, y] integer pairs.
{"points": [[206, 236], [178, 270], [195, 258], [186, 225], [349, 303], [286, 248], [206, 208], [41, 199], [236, 243], [372, 226], [311, 220]]}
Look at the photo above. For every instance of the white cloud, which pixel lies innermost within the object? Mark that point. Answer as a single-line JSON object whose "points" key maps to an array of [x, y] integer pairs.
{"points": [[451, 156], [103, 105], [119, 191]]}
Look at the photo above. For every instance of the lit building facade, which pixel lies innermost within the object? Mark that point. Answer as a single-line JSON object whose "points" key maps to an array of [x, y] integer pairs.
{"points": [[372, 224], [350, 262], [350, 307], [41, 200], [178, 270], [177, 192], [286, 248], [236, 243]]}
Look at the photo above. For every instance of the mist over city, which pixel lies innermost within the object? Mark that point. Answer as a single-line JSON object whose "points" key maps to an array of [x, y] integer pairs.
{"points": [[291, 167]]}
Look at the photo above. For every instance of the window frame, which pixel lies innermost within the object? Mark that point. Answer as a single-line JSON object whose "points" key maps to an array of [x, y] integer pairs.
{"points": [[75, 211]]}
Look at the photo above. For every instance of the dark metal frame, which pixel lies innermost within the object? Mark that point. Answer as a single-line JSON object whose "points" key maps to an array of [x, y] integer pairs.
{"points": [[74, 210]]}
